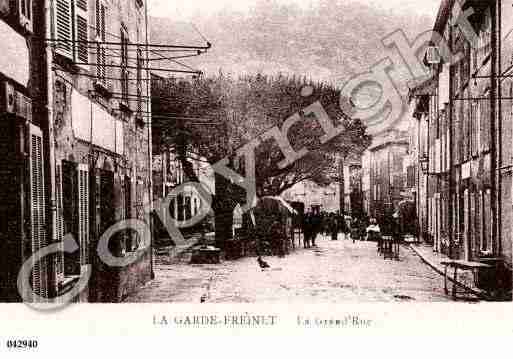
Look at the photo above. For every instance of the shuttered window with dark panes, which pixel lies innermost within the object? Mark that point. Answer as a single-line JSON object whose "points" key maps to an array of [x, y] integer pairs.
{"points": [[127, 191], [38, 211], [73, 199], [71, 222], [107, 213], [72, 30]]}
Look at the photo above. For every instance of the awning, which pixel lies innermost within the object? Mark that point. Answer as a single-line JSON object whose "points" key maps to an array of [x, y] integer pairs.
{"points": [[424, 88], [14, 61]]}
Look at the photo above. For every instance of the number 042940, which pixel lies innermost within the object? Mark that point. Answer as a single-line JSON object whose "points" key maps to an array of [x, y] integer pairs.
{"points": [[21, 344]]}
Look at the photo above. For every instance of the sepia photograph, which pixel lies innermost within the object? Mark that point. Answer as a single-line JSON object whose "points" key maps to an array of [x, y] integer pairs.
{"points": [[288, 152]]}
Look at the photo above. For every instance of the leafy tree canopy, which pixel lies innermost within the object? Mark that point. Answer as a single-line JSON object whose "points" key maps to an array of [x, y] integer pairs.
{"points": [[215, 116]]}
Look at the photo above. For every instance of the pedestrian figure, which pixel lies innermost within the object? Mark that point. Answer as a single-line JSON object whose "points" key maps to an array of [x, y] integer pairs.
{"points": [[334, 227], [342, 225], [316, 227], [355, 230], [374, 233], [325, 219], [307, 228]]}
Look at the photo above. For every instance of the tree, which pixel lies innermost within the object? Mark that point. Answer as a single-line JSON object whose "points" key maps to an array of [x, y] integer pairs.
{"points": [[215, 116]]}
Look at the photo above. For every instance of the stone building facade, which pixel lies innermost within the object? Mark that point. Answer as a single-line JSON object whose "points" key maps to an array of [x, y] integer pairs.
{"points": [[384, 179], [23, 130], [85, 160], [315, 197], [467, 108], [102, 137]]}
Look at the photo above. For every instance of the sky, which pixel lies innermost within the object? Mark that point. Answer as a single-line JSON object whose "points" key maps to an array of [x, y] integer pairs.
{"points": [[186, 9]]}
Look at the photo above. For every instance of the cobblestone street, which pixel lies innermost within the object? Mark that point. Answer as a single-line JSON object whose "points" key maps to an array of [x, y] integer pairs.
{"points": [[335, 271]]}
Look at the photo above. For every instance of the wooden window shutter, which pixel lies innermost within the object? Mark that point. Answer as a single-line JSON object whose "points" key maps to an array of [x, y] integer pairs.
{"points": [[38, 210], [100, 12], [140, 64], [475, 129], [83, 212], [60, 222], [101, 60], [485, 117], [478, 219], [81, 32], [63, 28]]}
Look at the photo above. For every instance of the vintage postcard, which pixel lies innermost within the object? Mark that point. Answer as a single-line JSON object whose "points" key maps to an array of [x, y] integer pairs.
{"points": [[179, 168]]}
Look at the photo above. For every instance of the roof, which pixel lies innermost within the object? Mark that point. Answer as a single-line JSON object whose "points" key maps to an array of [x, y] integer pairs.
{"points": [[388, 139], [443, 16], [284, 203], [424, 88]]}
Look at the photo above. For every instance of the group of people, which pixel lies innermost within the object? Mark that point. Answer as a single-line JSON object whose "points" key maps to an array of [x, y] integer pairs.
{"points": [[331, 224]]}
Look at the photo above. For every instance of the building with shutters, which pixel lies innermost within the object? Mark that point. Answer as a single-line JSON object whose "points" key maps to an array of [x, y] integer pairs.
{"points": [[417, 179], [102, 138], [81, 136], [169, 181], [316, 197], [351, 185], [464, 115], [384, 176], [23, 142]]}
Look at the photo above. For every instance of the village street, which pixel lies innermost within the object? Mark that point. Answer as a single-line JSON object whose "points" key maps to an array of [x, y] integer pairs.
{"points": [[335, 271]]}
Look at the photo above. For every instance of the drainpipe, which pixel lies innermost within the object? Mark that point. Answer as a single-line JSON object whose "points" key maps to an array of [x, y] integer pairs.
{"points": [[149, 124], [51, 146], [452, 205], [493, 142], [420, 221], [498, 83]]}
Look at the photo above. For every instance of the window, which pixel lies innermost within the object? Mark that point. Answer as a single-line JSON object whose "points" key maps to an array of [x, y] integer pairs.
{"points": [[83, 212], [124, 64], [37, 210], [60, 222], [101, 65], [180, 207], [26, 9], [75, 213], [81, 32], [478, 220], [130, 236], [484, 120], [63, 28], [140, 63], [72, 30], [487, 216], [474, 124], [187, 208], [23, 11]]}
